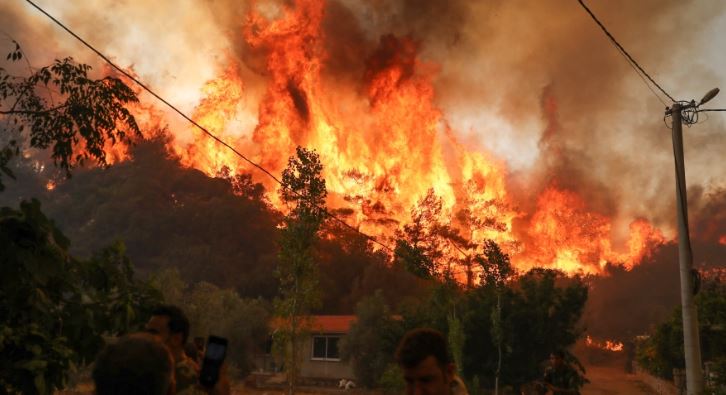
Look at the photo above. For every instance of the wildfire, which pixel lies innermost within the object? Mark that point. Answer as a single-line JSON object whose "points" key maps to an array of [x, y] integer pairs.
{"points": [[216, 112], [50, 185], [564, 234], [385, 143], [607, 345], [722, 240]]}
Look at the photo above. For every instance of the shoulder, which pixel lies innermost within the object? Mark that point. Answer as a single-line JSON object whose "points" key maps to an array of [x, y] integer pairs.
{"points": [[186, 372]]}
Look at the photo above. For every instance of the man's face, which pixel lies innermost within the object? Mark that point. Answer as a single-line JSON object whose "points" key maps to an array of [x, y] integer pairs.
{"points": [[428, 378], [159, 326]]}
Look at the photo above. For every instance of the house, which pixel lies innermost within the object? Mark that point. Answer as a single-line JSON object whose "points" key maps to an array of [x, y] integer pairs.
{"points": [[320, 351]]}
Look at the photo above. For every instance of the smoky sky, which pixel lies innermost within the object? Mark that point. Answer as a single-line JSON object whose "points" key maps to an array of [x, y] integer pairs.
{"points": [[534, 83], [498, 65]]}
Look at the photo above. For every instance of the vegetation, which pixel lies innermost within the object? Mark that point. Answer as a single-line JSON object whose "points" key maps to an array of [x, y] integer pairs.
{"points": [[304, 193], [54, 308], [60, 107], [220, 312], [175, 221], [662, 351], [372, 340], [540, 304]]}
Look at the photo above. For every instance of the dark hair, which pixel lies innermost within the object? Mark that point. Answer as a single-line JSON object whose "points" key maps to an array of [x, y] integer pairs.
{"points": [[178, 321], [135, 364], [419, 344]]}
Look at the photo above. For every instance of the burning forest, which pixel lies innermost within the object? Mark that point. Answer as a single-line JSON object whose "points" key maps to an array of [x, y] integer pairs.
{"points": [[374, 97], [458, 125]]}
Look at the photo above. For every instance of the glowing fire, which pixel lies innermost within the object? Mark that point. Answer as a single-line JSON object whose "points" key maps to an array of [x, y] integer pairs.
{"points": [[607, 345], [384, 143], [722, 240], [222, 98], [50, 185], [564, 234]]}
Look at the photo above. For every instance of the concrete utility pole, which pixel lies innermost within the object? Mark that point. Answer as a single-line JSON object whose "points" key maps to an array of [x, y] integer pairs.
{"points": [[691, 341]]}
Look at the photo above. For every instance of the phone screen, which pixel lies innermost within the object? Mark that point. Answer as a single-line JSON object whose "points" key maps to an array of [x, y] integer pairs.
{"points": [[213, 359]]}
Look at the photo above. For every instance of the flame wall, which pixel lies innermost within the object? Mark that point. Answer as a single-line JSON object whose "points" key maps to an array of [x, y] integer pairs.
{"points": [[519, 115]]}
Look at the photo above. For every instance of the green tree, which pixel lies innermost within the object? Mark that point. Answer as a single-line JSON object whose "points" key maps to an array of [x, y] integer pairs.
{"points": [[54, 308], [496, 271], [540, 313], [304, 194], [171, 286], [221, 312], [662, 351], [62, 108], [372, 340]]}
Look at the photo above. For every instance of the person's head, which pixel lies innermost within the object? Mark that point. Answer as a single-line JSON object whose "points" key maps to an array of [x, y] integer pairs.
{"points": [[135, 364], [171, 325], [557, 358], [423, 355]]}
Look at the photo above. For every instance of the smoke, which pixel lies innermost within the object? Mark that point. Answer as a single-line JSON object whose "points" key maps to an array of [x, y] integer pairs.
{"points": [[617, 306], [540, 85], [602, 132], [536, 84], [708, 221]]}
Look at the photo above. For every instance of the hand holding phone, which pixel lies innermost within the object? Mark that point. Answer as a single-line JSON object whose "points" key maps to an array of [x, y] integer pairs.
{"points": [[213, 360]]}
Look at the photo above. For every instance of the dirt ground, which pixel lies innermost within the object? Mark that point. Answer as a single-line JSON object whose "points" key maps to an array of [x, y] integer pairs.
{"points": [[604, 380], [611, 380]]}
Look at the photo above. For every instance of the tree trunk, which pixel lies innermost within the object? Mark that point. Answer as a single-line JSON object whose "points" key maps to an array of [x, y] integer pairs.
{"points": [[499, 343]]}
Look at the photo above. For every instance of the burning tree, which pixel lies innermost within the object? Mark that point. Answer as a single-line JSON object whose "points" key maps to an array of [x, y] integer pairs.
{"points": [[304, 194]]}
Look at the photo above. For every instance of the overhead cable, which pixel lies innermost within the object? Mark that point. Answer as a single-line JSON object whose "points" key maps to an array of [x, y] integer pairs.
{"points": [[624, 52], [200, 127]]}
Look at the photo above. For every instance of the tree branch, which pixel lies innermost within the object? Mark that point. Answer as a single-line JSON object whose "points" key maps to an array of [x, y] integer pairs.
{"points": [[26, 112]]}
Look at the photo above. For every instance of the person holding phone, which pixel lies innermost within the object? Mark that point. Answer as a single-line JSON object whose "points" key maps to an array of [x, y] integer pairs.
{"points": [[171, 326]]}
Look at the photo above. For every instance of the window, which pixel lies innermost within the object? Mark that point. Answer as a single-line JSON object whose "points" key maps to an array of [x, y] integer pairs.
{"points": [[325, 348]]}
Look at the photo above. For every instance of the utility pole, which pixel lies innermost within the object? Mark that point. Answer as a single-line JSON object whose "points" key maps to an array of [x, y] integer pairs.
{"points": [[691, 341]]}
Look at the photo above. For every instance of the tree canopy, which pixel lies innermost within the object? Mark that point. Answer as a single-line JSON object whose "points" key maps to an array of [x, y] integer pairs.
{"points": [[54, 308], [62, 108]]}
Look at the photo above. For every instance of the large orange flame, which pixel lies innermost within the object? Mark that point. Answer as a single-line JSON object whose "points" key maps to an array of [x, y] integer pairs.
{"points": [[564, 234], [384, 144]]}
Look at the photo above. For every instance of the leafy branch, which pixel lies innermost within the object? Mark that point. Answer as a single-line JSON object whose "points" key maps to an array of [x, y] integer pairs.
{"points": [[89, 114]]}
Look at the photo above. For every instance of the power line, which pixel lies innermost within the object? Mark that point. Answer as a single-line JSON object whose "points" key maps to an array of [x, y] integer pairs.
{"points": [[650, 88], [624, 52], [222, 142], [202, 128]]}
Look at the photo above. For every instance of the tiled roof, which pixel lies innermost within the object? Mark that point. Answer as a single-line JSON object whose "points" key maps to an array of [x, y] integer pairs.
{"points": [[322, 323], [332, 323]]}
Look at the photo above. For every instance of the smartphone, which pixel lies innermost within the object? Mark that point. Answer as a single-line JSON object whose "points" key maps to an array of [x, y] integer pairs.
{"points": [[213, 359]]}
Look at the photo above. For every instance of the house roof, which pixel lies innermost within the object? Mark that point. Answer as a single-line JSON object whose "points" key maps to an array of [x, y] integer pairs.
{"points": [[322, 323], [332, 323]]}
